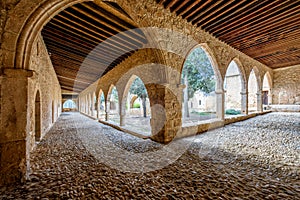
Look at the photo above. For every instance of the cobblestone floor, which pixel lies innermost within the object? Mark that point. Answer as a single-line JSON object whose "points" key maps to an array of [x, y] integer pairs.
{"points": [[83, 159]]}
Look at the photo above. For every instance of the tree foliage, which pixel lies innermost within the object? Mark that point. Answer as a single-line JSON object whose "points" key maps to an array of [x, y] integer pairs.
{"points": [[199, 72], [138, 88]]}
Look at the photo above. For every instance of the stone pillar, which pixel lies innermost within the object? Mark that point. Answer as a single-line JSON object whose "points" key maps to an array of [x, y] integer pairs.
{"points": [[122, 119], [270, 97], [220, 105], [14, 136], [259, 101], [244, 102], [98, 108], [93, 106], [122, 112], [107, 109], [165, 102]]}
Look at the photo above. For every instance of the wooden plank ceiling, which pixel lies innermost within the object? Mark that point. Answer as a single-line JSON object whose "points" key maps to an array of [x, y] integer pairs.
{"points": [[266, 30], [72, 34]]}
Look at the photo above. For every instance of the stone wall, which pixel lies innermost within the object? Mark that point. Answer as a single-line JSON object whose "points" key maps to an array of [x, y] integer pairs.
{"points": [[286, 85], [18, 90], [47, 84]]}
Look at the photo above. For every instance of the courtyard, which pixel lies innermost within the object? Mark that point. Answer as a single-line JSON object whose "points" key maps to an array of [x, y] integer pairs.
{"points": [[81, 158]]}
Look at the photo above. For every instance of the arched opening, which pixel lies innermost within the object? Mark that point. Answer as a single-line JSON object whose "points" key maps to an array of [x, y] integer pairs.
{"points": [[37, 115], [252, 92], [69, 105], [199, 97], [101, 105], [233, 86], [137, 106], [113, 105], [266, 91]]}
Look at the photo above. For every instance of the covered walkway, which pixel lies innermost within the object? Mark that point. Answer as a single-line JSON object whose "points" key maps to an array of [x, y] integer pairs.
{"points": [[81, 158]]}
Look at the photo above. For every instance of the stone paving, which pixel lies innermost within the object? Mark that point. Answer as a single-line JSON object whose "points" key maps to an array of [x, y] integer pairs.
{"points": [[82, 159]]}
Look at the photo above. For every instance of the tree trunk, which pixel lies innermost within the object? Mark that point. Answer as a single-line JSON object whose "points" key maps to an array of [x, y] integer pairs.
{"points": [[186, 113], [144, 106]]}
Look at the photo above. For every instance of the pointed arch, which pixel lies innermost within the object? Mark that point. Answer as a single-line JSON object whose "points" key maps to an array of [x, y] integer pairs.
{"points": [[209, 53], [266, 90], [234, 88], [253, 89]]}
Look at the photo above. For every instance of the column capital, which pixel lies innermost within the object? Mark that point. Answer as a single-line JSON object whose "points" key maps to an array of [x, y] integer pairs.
{"points": [[219, 91], [18, 73]]}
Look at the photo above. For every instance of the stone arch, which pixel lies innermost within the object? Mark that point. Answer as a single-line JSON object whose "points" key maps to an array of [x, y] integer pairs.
{"points": [[241, 70], [219, 99], [37, 116], [213, 61], [267, 84], [239, 97], [254, 90], [109, 105], [132, 101], [32, 16]]}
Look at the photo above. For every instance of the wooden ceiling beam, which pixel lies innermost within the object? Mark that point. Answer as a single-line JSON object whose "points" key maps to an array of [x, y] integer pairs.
{"points": [[236, 17], [122, 30], [71, 26], [104, 55], [258, 15], [196, 10], [225, 10], [266, 25], [108, 33], [197, 18]]}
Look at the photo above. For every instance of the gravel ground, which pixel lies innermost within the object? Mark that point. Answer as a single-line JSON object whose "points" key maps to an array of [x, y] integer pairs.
{"points": [[82, 159]]}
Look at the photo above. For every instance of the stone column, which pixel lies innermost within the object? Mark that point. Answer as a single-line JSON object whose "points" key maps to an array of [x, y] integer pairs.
{"points": [[98, 108], [165, 102], [220, 106], [107, 109], [270, 97], [244, 102], [15, 122], [259, 101], [122, 113]]}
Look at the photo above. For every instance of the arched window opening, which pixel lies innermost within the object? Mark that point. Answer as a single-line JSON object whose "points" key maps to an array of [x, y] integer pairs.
{"points": [[199, 98], [138, 111], [252, 92], [69, 105], [233, 88], [114, 106], [101, 105], [37, 114], [266, 92]]}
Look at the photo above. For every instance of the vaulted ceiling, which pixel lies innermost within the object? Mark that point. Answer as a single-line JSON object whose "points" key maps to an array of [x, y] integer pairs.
{"points": [[266, 30]]}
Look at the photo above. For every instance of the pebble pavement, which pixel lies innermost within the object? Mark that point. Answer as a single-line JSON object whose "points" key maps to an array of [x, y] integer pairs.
{"points": [[82, 159]]}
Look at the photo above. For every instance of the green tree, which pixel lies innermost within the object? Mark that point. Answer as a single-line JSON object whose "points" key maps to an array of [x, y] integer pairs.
{"points": [[197, 74], [138, 88]]}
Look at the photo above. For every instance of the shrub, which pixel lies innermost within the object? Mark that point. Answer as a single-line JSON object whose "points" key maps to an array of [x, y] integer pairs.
{"points": [[136, 105], [232, 112]]}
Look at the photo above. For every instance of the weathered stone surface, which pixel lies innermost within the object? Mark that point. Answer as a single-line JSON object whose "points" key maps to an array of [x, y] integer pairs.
{"points": [[255, 159], [286, 88]]}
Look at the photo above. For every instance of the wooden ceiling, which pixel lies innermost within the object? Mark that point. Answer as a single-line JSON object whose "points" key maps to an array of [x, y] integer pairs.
{"points": [[266, 30], [71, 36]]}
